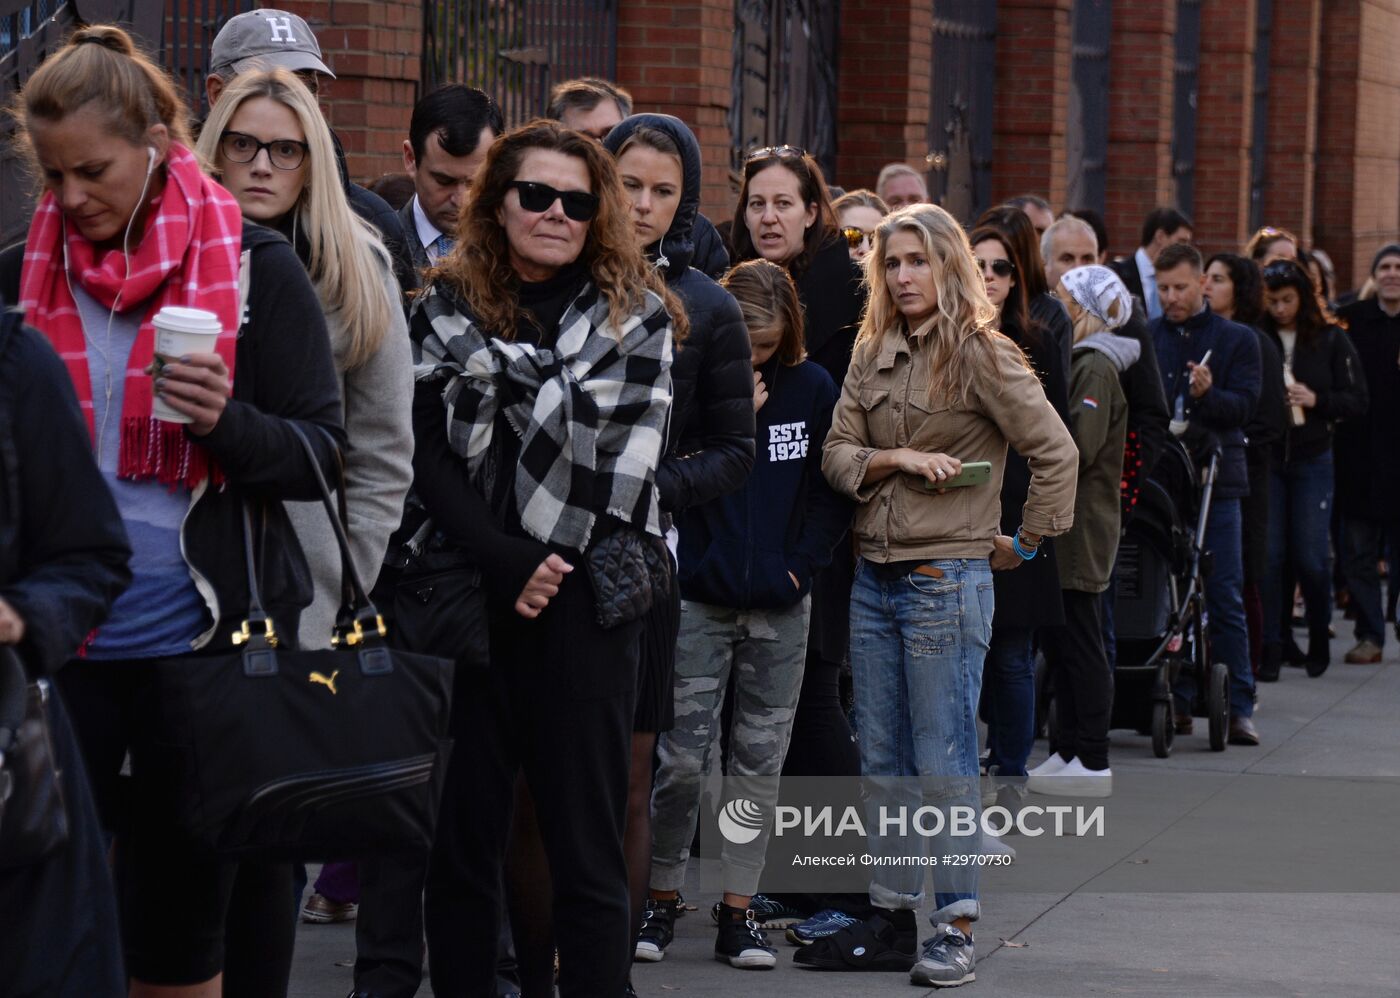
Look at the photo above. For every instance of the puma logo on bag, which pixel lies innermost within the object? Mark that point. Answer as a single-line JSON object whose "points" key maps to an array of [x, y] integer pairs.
{"points": [[316, 677]]}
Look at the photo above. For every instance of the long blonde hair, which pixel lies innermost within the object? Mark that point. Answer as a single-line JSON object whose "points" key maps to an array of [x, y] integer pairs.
{"points": [[348, 260], [965, 319]]}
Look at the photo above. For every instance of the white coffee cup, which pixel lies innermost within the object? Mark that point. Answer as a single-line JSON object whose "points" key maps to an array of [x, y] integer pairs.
{"points": [[179, 332]]}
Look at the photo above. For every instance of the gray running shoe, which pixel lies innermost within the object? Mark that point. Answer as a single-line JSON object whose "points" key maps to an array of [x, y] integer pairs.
{"points": [[948, 960]]}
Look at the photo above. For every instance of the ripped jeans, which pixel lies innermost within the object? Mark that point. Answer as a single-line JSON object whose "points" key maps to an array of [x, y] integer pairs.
{"points": [[917, 648]]}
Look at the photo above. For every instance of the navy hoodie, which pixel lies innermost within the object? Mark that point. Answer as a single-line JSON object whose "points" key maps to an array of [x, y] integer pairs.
{"points": [[736, 551]]}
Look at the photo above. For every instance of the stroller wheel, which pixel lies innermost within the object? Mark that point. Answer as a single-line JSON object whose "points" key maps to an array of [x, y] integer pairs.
{"points": [[1162, 731], [1218, 705]]}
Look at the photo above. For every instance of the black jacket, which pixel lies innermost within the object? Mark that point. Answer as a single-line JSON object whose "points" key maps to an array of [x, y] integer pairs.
{"points": [[1147, 411], [1047, 310], [63, 547], [1329, 366], [710, 445], [1029, 595], [711, 255], [1270, 421], [283, 371], [1367, 448], [1227, 407], [1127, 270]]}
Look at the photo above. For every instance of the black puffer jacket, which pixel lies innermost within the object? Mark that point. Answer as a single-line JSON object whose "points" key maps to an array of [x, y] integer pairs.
{"points": [[709, 449]]}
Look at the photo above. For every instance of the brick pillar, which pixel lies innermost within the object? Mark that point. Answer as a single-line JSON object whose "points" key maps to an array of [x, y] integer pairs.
{"points": [[1034, 73], [1289, 165], [885, 52], [1357, 188], [375, 48], [676, 59], [1140, 82], [1224, 129]]}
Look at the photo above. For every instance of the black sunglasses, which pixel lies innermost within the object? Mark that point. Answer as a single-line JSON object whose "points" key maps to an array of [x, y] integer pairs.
{"points": [[778, 152], [855, 236], [1002, 268], [537, 199], [285, 154]]}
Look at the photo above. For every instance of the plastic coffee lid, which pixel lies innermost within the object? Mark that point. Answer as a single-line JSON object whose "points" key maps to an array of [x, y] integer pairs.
{"points": [[187, 320]]}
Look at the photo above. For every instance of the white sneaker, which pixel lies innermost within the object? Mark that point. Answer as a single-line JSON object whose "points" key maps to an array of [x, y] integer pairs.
{"points": [[1051, 765], [993, 846], [1073, 780]]}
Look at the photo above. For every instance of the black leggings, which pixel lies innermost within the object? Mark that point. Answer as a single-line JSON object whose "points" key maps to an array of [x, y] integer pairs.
{"points": [[186, 915]]}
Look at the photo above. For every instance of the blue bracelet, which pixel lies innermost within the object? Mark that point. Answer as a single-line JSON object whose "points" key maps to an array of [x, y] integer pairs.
{"points": [[1020, 551]]}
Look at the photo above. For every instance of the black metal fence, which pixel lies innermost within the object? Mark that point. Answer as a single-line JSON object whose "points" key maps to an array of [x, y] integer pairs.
{"points": [[1087, 131], [188, 31], [961, 113], [784, 77], [1188, 58], [516, 50]]}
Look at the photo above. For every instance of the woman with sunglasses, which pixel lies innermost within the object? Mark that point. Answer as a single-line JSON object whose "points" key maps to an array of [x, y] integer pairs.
{"points": [[933, 387], [857, 213], [543, 346], [710, 444], [1018, 235], [784, 216], [1028, 598], [1323, 385], [127, 225]]}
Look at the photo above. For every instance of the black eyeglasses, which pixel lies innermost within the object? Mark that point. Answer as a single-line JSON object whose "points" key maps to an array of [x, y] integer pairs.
{"points": [[855, 236], [1002, 268], [537, 199], [778, 152], [1282, 268], [285, 154]]}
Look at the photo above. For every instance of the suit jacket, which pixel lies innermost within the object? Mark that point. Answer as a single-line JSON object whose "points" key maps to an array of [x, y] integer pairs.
{"points": [[417, 252], [1124, 266]]}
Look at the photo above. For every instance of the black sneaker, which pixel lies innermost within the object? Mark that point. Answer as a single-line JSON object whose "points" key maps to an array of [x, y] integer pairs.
{"points": [[769, 913], [658, 929], [741, 943], [875, 944]]}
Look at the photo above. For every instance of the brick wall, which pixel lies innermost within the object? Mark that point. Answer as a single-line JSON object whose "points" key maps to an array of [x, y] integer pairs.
{"points": [[885, 54], [1289, 164], [1357, 190], [676, 59], [374, 47], [1139, 177], [1034, 66], [1224, 124]]}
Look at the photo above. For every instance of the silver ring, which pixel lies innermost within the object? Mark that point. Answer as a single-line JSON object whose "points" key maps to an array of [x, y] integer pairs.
{"points": [[940, 473]]}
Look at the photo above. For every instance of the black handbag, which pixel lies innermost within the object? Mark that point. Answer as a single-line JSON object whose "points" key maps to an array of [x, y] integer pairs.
{"points": [[308, 755], [33, 815], [629, 571]]}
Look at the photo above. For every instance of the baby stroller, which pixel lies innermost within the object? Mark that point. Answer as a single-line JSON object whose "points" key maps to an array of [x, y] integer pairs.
{"points": [[1160, 614]]}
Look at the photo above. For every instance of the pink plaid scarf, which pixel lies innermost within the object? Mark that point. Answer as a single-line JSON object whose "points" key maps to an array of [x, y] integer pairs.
{"points": [[187, 255]]}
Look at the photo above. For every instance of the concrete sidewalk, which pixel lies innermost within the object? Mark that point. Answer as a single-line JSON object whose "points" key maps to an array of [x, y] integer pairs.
{"points": [[1129, 914]]}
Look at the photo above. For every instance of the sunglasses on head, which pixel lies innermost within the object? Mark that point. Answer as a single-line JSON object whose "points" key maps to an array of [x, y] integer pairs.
{"points": [[1001, 268], [779, 152], [537, 198], [855, 236]]}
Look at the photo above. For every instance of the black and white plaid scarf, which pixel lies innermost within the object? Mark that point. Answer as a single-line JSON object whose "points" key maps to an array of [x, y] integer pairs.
{"points": [[590, 413]]}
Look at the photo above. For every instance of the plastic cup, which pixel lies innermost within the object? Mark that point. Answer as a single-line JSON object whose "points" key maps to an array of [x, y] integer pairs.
{"points": [[179, 332]]}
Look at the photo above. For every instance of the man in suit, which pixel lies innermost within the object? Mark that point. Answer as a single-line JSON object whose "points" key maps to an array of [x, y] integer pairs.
{"points": [[1162, 227], [450, 132]]}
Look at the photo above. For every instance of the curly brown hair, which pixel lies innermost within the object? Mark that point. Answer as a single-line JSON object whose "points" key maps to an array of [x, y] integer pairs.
{"points": [[479, 269]]}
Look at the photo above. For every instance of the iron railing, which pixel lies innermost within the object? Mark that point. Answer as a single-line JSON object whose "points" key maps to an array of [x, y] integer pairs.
{"points": [[1188, 58], [187, 32], [961, 113], [516, 50], [784, 77], [1087, 131]]}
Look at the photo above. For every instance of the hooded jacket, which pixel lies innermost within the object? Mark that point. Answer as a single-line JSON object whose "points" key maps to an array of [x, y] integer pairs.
{"points": [[710, 445], [1234, 393], [1098, 419]]}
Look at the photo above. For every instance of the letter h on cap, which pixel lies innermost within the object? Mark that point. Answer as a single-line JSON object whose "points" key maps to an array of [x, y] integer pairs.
{"points": [[280, 25]]}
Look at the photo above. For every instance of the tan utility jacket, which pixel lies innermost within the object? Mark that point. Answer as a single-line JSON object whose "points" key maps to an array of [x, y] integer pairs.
{"points": [[885, 405]]}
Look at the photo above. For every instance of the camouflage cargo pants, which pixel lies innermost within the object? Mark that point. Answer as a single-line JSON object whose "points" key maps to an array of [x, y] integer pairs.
{"points": [[764, 651]]}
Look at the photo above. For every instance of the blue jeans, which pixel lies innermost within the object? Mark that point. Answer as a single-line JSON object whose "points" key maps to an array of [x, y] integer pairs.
{"points": [[1364, 543], [1008, 699], [917, 648], [1229, 635], [1300, 511]]}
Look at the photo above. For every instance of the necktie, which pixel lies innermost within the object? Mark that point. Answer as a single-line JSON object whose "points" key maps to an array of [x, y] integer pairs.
{"points": [[443, 245]]}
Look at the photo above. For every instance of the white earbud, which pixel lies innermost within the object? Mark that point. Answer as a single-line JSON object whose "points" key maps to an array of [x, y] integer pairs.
{"points": [[153, 156]]}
